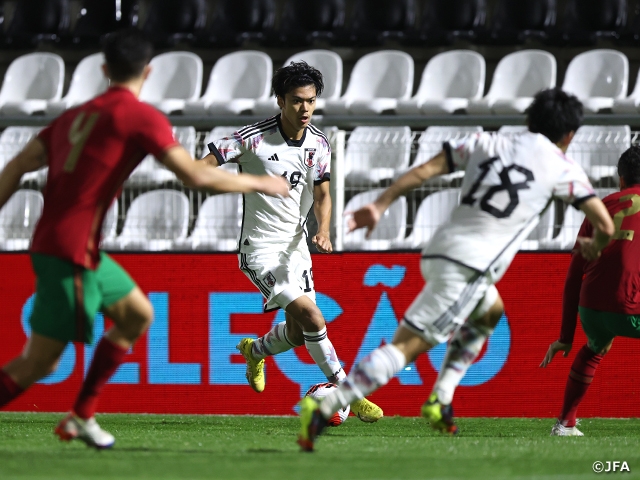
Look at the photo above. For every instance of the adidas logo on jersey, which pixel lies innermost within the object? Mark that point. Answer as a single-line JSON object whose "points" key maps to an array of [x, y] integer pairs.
{"points": [[273, 158]]}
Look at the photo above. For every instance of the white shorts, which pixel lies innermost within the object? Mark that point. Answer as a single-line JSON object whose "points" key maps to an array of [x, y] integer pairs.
{"points": [[282, 277], [452, 294]]}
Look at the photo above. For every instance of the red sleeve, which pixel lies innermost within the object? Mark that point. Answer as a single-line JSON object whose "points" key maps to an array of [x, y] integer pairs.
{"points": [[571, 297], [155, 133]]}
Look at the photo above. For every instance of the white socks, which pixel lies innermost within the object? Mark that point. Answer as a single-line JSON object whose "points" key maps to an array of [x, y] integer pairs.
{"points": [[321, 350], [374, 371], [274, 342], [465, 346]]}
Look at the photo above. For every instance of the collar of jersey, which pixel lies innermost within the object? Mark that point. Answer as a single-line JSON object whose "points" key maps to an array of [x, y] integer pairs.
{"points": [[290, 142]]}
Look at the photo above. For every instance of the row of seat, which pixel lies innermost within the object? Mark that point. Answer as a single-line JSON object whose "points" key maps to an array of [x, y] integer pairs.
{"points": [[370, 22], [381, 82], [158, 220]]}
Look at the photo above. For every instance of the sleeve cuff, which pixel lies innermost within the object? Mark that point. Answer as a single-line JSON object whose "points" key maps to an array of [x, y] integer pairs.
{"points": [[576, 204], [216, 153], [447, 151], [325, 178]]}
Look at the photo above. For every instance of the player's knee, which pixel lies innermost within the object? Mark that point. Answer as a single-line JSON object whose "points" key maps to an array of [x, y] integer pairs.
{"points": [[144, 316], [311, 320]]}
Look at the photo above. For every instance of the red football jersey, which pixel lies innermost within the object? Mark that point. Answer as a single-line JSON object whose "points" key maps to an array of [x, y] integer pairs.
{"points": [[91, 150], [612, 282]]}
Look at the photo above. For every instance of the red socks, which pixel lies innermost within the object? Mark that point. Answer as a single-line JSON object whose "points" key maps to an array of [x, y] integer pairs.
{"points": [[8, 389], [580, 377], [106, 359]]}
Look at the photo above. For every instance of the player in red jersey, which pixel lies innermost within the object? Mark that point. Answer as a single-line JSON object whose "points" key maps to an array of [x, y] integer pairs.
{"points": [[90, 151], [607, 298]]}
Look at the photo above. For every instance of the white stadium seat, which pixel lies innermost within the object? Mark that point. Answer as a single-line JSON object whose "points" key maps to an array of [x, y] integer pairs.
{"points": [[374, 154], [18, 219], [598, 78], [154, 221], [175, 78], [110, 222], [597, 148], [449, 81], [328, 62], [390, 228], [631, 103], [513, 129], [517, 78], [88, 81], [378, 80], [217, 226], [434, 210], [12, 141], [151, 171], [566, 238], [542, 234], [30, 82], [236, 82]]}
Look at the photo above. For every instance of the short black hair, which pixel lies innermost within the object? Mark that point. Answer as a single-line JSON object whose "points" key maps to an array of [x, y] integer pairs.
{"points": [[629, 166], [126, 53], [294, 75], [554, 113]]}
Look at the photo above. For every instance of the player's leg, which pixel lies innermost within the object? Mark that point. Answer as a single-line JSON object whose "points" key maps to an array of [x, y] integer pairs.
{"points": [[38, 359], [466, 344], [112, 289]]}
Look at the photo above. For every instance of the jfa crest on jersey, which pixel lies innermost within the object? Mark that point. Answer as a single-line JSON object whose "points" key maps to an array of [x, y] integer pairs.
{"points": [[261, 148]]}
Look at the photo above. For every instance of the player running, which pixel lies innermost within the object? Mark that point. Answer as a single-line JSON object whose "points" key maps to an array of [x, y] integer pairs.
{"points": [[90, 151], [273, 251], [508, 183], [607, 297]]}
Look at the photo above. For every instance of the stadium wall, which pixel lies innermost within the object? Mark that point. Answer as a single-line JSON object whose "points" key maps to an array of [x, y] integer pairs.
{"points": [[187, 362]]}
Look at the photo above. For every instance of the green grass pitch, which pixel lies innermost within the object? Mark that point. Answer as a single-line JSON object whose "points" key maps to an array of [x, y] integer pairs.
{"points": [[263, 448]]}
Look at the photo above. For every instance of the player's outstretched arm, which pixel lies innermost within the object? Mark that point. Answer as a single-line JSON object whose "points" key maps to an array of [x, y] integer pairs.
{"points": [[603, 228], [369, 215], [202, 175], [33, 157], [322, 211]]}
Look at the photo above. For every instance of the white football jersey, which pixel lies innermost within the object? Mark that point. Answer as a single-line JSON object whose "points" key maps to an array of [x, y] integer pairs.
{"points": [[268, 222], [508, 183]]}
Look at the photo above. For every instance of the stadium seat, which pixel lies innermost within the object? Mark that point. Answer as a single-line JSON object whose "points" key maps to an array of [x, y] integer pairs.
{"points": [[96, 19], [153, 222], [566, 238], [304, 23], [542, 234], [237, 21], [517, 78], [515, 22], [375, 21], [12, 141], [217, 226], [629, 104], [236, 82], [433, 211], [378, 80], [110, 224], [513, 129], [597, 148], [328, 62], [375, 154], [390, 229], [175, 79], [87, 82], [36, 21], [151, 172], [18, 219], [31, 81], [584, 24], [598, 78], [431, 141], [449, 81], [170, 22], [444, 21]]}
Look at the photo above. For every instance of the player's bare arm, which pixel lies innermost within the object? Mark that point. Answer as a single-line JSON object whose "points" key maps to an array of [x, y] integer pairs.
{"points": [[211, 160], [201, 175], [603, 226], [322, 211], [369, 215], [33, 157]]}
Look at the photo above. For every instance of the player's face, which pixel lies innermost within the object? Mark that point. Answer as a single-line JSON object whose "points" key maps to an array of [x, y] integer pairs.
{"points": [[298, 106]]}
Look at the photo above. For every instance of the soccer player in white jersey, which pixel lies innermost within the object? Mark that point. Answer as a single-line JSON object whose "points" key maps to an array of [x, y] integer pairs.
{"points": [[508, 183], [273, 251]]}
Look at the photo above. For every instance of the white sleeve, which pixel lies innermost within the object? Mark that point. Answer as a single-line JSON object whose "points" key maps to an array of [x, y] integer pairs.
{"points": [[572, 185], [322, 170], [227, 149], [459, 151]]}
